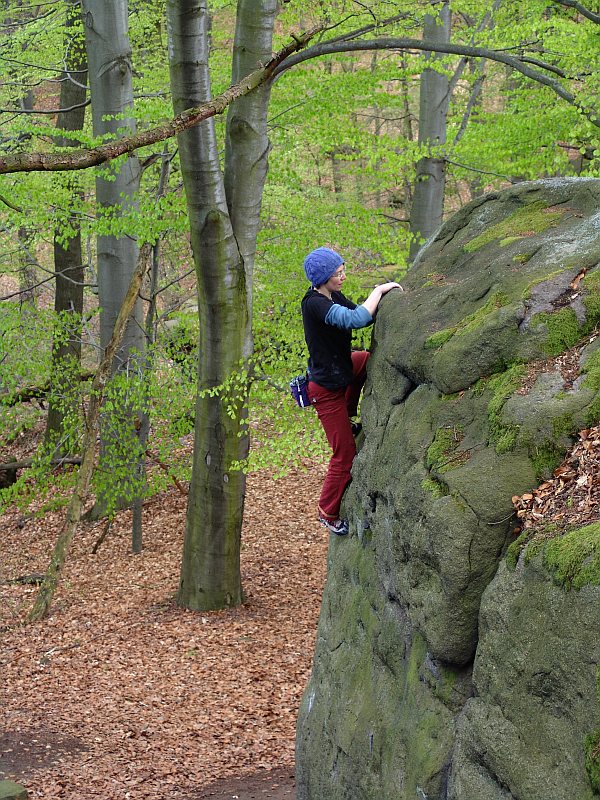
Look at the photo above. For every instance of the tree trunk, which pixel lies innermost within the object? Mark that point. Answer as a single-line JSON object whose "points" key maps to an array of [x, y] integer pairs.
{"points": [[68, 257], [27, 276], [224, 216], [109, 59], [149, 330], [430, 183], [110, 77]]}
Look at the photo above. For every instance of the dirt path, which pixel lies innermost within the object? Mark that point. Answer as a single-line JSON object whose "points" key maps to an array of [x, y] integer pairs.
{"points": [[121, 694]]}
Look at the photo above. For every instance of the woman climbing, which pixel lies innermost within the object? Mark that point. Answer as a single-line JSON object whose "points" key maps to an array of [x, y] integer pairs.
{"points": [[336, 373]]}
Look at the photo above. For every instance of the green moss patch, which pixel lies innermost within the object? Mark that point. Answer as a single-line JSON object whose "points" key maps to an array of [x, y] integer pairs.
{"points": [[531, 541], [564, 329], [591, 370], [515, 549], [574, 559], [435, 487], [591, 748], [438, 339], [530, 219], [591, 298], [502, 387], [443, 453], [468, 323], [522, 258], [545, 459]]}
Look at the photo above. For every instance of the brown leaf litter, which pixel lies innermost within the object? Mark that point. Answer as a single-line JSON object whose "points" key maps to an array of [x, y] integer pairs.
{"points": [[120, 693]]}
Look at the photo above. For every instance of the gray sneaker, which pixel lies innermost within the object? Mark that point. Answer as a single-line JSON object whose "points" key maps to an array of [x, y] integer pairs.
{"points": [[337, 526]]}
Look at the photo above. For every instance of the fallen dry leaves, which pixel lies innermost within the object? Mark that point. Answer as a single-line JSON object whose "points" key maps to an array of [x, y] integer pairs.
{"points": [[572, 496], [120, 693]]}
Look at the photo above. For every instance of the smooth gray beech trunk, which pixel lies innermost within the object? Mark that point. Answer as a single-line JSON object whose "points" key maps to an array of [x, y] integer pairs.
{"points": [[224, 212], [430, 183], [68, 258], [110, 77]]}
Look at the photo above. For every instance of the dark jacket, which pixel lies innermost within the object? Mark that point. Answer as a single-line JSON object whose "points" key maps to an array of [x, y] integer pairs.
{"points": [[329, 347]]}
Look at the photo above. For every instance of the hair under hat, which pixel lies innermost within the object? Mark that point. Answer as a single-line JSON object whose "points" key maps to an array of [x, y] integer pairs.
{"points": [[320, 265]]}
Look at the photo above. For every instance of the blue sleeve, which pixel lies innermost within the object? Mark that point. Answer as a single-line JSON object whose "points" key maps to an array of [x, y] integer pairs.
{"points": [[346, 318]]}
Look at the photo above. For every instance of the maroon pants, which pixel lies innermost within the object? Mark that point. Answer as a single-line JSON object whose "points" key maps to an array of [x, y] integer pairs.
{"points": [[334, 409]]}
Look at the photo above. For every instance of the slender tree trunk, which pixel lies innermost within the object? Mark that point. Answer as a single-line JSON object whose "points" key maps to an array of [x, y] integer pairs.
{"points": [[428, 198], [73, 516], [27, 265], [110, 77], [27, 276], [149, 329], [68, 257], [224, 215]]}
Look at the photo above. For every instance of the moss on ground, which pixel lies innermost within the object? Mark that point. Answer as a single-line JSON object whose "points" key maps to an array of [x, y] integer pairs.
{"points": [[502, 387], [563, 425], [591, 299], [532, 218], [469, 323], [530, 542], [574, 558], [591, 748], [522, 258], [438, 339], [515, 549], [591, 369]]}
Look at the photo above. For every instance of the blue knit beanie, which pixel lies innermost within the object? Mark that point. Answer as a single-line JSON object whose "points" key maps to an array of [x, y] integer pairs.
{"points": [[321, 264]]}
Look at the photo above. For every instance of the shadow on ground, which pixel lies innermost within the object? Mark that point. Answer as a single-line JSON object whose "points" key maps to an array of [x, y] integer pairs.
{"points": [[277, 784], [23, 752]]}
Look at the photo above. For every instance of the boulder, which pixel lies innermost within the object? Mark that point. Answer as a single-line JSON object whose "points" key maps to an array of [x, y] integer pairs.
{"points": [[456, 423]]}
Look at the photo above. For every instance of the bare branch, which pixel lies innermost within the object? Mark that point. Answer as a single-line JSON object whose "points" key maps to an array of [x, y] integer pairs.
{"points": [[10, 205], [392, 43], [30, 393], [480, 171], [50, 111], [585, 12]]}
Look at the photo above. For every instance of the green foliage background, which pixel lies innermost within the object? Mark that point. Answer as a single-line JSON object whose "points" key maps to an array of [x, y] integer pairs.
{"points": [[344, 152]]}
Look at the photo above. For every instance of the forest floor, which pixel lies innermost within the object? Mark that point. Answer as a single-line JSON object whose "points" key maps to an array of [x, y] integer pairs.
{"points": [[120, 693]]}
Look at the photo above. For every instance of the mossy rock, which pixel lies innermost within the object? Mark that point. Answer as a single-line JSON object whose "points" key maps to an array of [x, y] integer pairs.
{"points": [[574, 558], [535, 712], [530, 219], [12, 791], [482, 313], [420, 587]]}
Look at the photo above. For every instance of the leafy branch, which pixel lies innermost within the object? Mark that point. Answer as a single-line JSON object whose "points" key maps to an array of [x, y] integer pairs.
{"points": [[91, 157]]}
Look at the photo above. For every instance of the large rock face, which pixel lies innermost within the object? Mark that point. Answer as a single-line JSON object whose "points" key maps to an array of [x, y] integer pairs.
{"points": [[421, 689]]}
